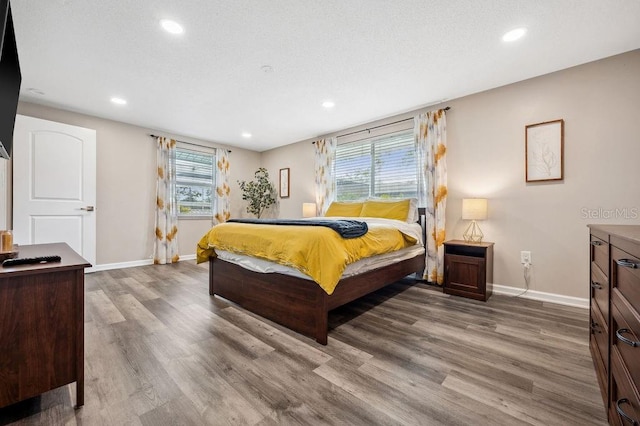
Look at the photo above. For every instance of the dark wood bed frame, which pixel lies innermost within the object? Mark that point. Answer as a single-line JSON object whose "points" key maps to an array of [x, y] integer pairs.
{"points": [[298, 304]]}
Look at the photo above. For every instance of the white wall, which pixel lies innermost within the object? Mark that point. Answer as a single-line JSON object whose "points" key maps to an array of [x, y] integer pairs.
{"points": [[126, 171], [299, 158], [600, 104]]}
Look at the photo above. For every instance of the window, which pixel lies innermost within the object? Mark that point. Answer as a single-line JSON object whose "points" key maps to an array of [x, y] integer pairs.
{"points": [[194, 183], [384, 166]]}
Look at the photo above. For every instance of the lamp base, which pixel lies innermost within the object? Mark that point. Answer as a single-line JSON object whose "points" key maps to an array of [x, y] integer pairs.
{"points": [[473, 234]]}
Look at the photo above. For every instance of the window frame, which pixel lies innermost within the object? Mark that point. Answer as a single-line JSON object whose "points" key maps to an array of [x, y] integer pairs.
{"points": [[375, 141], [195, 149]]}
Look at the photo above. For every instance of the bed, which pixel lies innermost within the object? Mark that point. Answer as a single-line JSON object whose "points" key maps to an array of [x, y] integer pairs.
{"points": [[289, 297]]}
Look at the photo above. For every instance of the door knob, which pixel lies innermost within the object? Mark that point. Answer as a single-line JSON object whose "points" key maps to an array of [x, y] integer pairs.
{"points": [[88, 208]]}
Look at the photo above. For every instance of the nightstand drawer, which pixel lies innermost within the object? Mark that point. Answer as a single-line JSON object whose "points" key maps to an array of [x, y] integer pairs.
{"points": [[465, 273]]}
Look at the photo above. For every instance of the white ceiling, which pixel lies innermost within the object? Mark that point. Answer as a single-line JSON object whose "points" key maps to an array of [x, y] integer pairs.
{"points": [[373, 58]]}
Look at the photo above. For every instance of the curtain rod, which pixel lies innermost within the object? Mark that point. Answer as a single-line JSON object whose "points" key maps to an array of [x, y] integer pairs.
{"points": [[189, 143], [377, 127]]}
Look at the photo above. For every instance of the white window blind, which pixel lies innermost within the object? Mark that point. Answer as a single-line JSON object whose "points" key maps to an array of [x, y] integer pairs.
{"points": [[194, 183], [385, 166]]}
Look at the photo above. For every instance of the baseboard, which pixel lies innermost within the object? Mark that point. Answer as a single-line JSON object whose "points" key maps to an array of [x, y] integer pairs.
{"points": [[577, 302], [497, 288], [132, 264]]}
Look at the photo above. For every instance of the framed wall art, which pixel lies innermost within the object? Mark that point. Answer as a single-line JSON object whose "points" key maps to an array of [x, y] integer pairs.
{"points": [[284, 183], [544, 151]]}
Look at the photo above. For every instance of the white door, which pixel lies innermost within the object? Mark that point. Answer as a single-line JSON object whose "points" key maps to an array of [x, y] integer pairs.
{"points": [[54, 185]]}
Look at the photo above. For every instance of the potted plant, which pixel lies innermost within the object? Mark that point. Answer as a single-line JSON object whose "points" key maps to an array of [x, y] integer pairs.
{"points": [[260, 193]]}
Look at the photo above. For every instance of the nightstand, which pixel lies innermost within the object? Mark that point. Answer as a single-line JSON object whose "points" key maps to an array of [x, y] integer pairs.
{"points": [[468, 269]]}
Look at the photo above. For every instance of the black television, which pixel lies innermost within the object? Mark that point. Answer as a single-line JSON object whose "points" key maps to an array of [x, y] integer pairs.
{"points": [[10, 79]]}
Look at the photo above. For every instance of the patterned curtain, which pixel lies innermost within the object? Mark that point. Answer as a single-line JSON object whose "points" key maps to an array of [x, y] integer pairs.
{"points": [[430, 131], [325, 183], [165, 247], [222, 211]]}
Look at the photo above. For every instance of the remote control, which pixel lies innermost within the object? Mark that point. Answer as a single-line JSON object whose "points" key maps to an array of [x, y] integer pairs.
{"points": [[30, 260]]}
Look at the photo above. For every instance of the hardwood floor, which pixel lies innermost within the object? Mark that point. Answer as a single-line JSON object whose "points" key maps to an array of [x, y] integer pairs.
{"points": [[160, 351]]}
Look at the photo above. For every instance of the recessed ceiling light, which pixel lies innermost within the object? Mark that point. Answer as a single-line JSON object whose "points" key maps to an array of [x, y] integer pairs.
{"points": [[514, 35], [35, 91], [118, 101], [328, 104], [171, 26], [267, 69], [246, 134]]}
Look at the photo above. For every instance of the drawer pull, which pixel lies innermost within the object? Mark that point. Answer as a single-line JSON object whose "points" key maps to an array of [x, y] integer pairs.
{"points": [[624, 339], [623, 414], [596, 243], [628, 263], [596, 285], [594, 328]]}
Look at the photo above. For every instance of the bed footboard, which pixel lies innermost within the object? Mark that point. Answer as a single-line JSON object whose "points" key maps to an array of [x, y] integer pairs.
{"points": [[299, 304], [293, 302]]}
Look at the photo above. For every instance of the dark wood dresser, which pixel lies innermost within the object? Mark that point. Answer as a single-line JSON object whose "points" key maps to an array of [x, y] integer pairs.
{"points": [[42, 324], [468, 269], [615, 318]]}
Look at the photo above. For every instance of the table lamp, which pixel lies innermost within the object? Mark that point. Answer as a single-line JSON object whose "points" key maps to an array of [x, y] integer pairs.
{"points": [[308, 209], [474, 209]]}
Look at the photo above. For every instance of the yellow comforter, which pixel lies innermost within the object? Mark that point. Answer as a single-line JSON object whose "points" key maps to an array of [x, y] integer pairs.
{"points": [[316, 251]]}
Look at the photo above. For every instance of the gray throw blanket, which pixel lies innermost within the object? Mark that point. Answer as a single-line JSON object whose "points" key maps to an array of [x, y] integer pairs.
{"points": [[347, 228]]}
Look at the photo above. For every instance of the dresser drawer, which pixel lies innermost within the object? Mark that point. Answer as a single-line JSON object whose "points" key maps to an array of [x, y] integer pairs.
{"points": [[601, 370], [600, 335], [600, 254], [625, 275], [615, 262], [624, 405], [600, 292], [625, 328]]}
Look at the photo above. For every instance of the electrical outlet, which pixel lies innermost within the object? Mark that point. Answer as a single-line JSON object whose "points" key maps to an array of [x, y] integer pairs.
{"points": [[525, 257]]}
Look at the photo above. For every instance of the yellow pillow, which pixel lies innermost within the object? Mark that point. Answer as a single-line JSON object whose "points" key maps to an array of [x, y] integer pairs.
{"points": [[398, 210], [344, 209]]}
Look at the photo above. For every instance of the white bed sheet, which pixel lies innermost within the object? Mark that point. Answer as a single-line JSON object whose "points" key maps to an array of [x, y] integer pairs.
{"points": [[363, 265], [411, 229]]}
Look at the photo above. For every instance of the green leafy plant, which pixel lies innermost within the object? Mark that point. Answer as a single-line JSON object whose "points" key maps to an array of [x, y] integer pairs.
{"points": [[259, 192]]}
